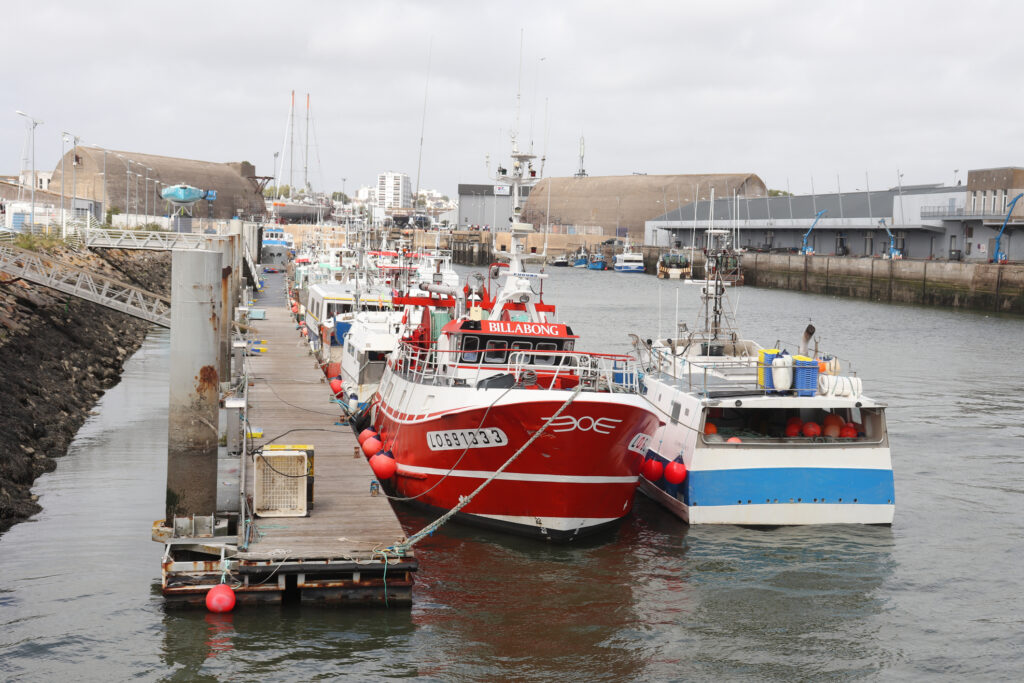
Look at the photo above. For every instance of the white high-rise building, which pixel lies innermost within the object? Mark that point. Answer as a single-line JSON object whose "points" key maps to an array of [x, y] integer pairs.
{"points": [[394, 191]]}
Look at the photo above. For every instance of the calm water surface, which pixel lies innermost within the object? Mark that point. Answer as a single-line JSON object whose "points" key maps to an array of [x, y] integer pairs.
{"points": [[938, 595]]}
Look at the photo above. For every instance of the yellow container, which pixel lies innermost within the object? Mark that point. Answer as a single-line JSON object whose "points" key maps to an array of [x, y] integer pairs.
{"points": [[761, 355]]}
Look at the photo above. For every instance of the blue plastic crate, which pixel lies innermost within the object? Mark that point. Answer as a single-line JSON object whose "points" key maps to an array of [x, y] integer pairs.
{"points": [[805, 376], [766, 372]]}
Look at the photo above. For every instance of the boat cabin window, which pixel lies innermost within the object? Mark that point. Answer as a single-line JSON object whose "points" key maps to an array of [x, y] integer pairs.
{"points": [[335, 309], [495, 351], [545, 346], [469, 349]]}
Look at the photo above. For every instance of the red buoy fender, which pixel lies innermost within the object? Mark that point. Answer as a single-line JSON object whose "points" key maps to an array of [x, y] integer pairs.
{"points": [[372, 446], [220, 598], [675, 472]]}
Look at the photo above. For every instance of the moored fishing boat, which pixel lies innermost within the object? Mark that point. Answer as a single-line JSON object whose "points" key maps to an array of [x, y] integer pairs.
{"points": [[674, 265], [497, 393], [629, 260], [758, 437], [596, 262]]}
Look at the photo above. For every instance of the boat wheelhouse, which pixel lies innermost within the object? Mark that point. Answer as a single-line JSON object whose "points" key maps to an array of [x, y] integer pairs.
{"points": [[674, 265]]}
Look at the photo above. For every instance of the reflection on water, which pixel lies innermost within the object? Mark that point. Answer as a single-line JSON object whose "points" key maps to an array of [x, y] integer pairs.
{"points": [[940, 593]]}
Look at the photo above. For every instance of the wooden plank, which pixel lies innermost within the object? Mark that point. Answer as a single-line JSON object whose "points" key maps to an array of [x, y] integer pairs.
{"points": [[291, 402]]}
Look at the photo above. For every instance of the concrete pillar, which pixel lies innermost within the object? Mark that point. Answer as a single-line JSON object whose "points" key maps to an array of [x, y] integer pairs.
{"points": [[194, 384], [226, 297]]}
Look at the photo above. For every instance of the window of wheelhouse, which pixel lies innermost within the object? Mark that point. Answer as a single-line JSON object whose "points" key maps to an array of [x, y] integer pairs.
{"points": [[546, 359], [496, 350], [470, 348]]}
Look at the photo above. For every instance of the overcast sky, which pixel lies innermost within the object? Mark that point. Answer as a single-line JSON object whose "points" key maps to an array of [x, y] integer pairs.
{"points": [[788, 91]]}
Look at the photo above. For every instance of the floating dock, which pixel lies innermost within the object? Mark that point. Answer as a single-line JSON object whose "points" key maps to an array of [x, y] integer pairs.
{"points": [[338, 552]]}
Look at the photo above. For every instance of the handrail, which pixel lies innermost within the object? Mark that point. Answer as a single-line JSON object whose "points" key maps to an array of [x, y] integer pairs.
{"points": [[596, 371]]}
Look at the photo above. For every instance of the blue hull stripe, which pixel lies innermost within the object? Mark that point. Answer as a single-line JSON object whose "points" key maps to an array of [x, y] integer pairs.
{"points": [[785, 485]]}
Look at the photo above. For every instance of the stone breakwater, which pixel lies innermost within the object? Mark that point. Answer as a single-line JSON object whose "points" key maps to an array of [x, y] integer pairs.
{"points": [[58, 355]]}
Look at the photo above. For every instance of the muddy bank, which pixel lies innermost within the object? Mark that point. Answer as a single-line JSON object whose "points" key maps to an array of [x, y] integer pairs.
{"points": [[58, 354]]}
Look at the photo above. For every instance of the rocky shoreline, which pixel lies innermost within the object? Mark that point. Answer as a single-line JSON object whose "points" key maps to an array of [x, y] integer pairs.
{"points": [[58, 355]]}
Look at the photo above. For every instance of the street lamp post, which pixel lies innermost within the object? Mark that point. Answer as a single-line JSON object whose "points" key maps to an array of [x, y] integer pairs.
{"points": [[137, 176], [146, 190], [34, 123], [104, 216]]}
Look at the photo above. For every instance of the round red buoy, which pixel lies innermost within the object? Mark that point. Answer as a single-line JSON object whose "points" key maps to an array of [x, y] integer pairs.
{"points": [[734, 439], [833, 419], [710, 428], [220, 598], [372, 446], [847, 432], [383, 466], [295, 308], [652, 469], [795, 420], [831, 430], [365, 434], [336, 386], [793, 429], [675, 472], [811, 429]]}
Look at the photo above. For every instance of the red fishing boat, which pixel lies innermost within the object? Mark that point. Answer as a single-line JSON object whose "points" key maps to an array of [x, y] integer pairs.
{"points": [[487, 404]]}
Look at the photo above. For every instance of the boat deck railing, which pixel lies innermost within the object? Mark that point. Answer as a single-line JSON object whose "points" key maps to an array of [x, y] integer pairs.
{"points": [[528, 369]]}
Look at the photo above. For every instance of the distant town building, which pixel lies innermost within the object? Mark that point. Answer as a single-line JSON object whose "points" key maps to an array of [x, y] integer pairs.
{"points": [[366, 194], [930, 221], [394, 191], [131, 182]]}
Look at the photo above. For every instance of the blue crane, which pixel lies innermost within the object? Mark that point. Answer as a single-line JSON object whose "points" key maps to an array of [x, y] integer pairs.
{"points": [[1000, 256], [893, 251], [805, 249]]}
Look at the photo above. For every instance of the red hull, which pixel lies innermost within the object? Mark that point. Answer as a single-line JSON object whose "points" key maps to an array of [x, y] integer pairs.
{"points": [[579, 474]]}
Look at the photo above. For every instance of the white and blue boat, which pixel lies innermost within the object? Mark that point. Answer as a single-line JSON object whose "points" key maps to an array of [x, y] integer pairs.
{"points": [[596, 262], [629, 260], [755, 437], [579, 258], [277, 245]]}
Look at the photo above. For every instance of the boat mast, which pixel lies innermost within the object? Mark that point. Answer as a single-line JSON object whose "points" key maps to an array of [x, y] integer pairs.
{"points": [[291, 147], [423, 127], [305, 158]]}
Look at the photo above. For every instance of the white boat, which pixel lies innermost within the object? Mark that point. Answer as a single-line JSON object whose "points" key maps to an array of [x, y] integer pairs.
{"points": [[755, 437], [629, 260], [329, 311], [371, 338]]}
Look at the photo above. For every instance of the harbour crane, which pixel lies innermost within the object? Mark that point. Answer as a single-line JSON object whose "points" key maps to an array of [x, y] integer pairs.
{"points": [[893, 251], [1000, 256], [805, 249]]}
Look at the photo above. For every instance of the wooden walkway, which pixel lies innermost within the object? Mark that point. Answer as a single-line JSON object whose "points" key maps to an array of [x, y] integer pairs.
{"points": [[290, 401]]}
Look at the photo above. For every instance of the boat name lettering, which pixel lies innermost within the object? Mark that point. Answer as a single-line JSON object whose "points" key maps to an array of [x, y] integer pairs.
{"points": [[457, 439], [507, 327], [568, 423], [640, 443]]}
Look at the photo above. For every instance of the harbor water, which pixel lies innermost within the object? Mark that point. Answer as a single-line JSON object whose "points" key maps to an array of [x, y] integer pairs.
{"points": [[940, 594]]}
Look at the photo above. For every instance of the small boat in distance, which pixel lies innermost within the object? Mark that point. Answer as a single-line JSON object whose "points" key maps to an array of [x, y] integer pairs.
{"points": [[596, 262], [580, 258], [674, 265], [560, 261], [629, 260]]}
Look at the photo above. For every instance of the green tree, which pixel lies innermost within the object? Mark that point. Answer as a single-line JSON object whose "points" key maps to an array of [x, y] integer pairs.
{"points": [[779, 193]]}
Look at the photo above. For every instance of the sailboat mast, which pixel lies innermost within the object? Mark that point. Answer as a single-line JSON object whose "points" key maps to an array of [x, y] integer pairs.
{"points": [[423, 126], [305, 165], [291, 148]]}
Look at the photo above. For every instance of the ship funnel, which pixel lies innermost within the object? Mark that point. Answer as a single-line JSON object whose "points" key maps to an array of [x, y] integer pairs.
{"points": [[804, 343]]}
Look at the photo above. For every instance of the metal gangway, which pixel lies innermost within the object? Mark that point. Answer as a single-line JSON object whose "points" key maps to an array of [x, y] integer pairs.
{"points": [[85, 284], [160, 241]]}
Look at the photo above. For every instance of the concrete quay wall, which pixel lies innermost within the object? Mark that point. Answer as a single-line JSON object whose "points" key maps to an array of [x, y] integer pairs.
{"points": [[952, 284]]}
